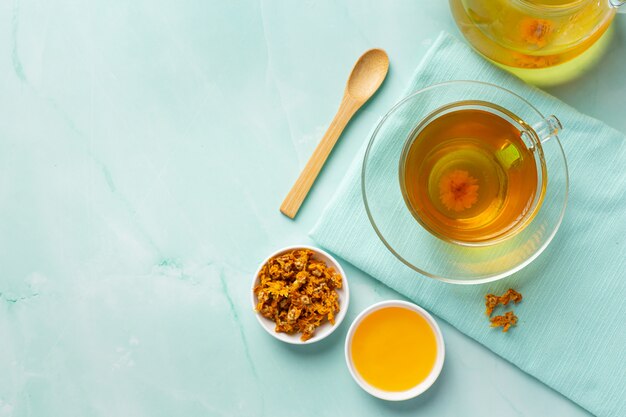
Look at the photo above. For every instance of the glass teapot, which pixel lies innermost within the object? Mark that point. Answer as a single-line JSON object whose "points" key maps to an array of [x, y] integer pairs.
{"points": [[542, 41]]}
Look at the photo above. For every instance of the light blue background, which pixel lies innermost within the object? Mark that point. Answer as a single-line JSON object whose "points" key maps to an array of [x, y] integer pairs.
{"points": [[145, 148]]}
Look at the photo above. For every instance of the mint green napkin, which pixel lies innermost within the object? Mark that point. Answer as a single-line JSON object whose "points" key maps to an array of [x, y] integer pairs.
{"points": [[571, 332]]}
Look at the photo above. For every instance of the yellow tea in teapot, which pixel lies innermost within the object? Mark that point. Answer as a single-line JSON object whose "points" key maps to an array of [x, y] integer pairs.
{"points": [[468, 176], [527, 35]]}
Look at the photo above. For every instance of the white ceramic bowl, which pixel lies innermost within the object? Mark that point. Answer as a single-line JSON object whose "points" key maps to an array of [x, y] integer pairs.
{"points": [[326, 328], [422, 386]]}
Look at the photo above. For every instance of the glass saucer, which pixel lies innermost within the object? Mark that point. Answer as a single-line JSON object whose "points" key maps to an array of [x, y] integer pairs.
{"points": [[415, 246]]}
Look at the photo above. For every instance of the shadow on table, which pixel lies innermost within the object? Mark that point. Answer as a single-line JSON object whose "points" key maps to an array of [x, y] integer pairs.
{"points": [[320, 348], [599, 84]]}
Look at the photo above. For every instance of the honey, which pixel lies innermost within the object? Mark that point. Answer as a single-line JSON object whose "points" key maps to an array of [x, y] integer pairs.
{"points": [[469, 177], [394, 349]]}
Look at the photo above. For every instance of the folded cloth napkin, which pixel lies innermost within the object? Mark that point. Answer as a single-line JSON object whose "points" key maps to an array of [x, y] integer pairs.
{"points": [[571, 332]]}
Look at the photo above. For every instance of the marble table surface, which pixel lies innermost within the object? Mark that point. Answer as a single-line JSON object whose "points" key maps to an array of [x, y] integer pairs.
{"points": [[145, 147]]}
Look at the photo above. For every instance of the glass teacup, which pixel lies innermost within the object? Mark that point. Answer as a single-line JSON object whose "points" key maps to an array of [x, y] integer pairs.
{"points": [[473, 173]]}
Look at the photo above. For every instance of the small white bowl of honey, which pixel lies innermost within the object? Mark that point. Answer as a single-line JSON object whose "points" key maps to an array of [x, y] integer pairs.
{"points": [[394, 350]]}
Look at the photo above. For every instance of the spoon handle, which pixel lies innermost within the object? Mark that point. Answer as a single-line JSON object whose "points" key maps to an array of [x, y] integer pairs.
{"points": [[307, 177]]}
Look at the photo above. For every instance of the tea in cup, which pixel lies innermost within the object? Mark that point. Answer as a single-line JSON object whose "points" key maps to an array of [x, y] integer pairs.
{"points": [[473, 173]]}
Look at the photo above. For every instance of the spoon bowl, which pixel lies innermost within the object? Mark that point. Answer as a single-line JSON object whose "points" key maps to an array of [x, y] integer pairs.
{"points": [[368, 74]]}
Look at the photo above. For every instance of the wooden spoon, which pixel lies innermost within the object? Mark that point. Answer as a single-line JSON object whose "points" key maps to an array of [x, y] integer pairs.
{"points": [[368, 74]]}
